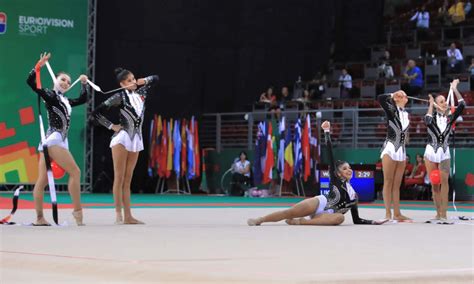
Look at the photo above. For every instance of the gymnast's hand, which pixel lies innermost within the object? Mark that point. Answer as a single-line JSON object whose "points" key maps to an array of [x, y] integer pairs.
{"points": [[83, 79], [116, 128], [431, 99], [141, 81], [454, 83], [399, 95], [326, 125], [43, 58], [379, 222]]}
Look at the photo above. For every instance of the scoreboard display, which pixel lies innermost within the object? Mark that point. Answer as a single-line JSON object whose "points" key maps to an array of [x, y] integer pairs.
{"points": [[362, 181]]}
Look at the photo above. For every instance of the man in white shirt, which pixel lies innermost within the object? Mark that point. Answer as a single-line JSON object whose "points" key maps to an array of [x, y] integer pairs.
{"points": [[345, 83], [455, 59], [422, 18]]}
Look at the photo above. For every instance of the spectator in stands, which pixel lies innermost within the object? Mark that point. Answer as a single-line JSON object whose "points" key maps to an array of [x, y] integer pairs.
{"points": [[467, 7], [408, 166], [240, 174], [317, 86], [471, 71], [385, 69], [415, 78], [345, 83], [417, 175], [455, 59], [422, 18], [443, 14], [285, 97], [298, 90], [456, 12], [268, 96]]}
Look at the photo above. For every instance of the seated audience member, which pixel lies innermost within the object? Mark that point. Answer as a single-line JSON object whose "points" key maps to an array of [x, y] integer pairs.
{"points": [[240, 174], [456, 12], [422, 18], [408, 166], [467, 7], [443, 14], [455, 59], [470, 69], [317, 86], [417, 175], [415, 79], [345, 83], [385, 69], [285, 97]]}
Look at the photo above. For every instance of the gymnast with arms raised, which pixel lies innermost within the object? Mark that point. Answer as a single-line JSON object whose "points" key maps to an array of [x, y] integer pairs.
{"points": [[324, 210]]}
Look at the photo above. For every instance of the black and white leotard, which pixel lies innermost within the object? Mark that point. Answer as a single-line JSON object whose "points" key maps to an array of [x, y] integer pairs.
{"points": [[397, 129], [341, 197], [58, 110], [439, 128], [132, 111]]}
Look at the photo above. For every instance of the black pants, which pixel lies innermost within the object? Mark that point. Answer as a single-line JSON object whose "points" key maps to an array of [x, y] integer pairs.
{"points": [[238, 185]]}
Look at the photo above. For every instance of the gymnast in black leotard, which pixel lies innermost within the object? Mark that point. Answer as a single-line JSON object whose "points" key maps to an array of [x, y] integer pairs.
{"points": [[323, 209]]}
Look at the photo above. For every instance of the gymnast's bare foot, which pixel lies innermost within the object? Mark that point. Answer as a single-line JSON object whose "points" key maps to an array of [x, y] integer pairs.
{"points": [[132, 221], [78, 217], [41, 221], [293, 221], [254, 222], [118, 218], [402, 218]]}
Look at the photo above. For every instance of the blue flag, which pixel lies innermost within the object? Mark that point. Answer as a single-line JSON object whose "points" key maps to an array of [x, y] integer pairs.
{"points": [[190, 146], [177, 148]]}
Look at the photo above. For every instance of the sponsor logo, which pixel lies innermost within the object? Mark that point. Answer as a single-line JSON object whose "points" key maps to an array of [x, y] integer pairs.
{"points": [[3, 23], [34, 26]]}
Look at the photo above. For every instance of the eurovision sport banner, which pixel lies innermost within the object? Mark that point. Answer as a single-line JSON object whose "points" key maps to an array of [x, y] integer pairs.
{"points": [[28, 28]]}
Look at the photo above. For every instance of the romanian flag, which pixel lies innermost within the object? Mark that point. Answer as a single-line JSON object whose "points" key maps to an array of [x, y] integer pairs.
{"points": [[288, 169], [169, 159]]}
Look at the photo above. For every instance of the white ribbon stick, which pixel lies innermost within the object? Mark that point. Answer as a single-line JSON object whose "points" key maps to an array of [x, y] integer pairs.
{"points": [[75, 82], [51, 73], [94, 86]]}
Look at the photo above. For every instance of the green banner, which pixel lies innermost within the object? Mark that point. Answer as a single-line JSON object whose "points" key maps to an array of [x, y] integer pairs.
{"points": [[27, 28]]}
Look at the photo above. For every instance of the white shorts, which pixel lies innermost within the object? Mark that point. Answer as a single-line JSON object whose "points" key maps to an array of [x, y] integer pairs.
{"points": [[135, 145], [55, 139], [389, 149], [323, 201], [438, 156]]}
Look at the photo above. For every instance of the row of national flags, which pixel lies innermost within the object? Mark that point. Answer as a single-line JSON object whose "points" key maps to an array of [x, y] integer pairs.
{"points": [[174, 147], [289, 153]]}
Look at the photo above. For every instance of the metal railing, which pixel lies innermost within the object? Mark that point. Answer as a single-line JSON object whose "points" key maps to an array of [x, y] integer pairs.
{"points": [[351, 127], [404, 33]]}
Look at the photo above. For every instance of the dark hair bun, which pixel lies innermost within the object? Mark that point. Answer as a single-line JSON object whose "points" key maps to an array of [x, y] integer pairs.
{"points": [[118, 70], [121, 74]]}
